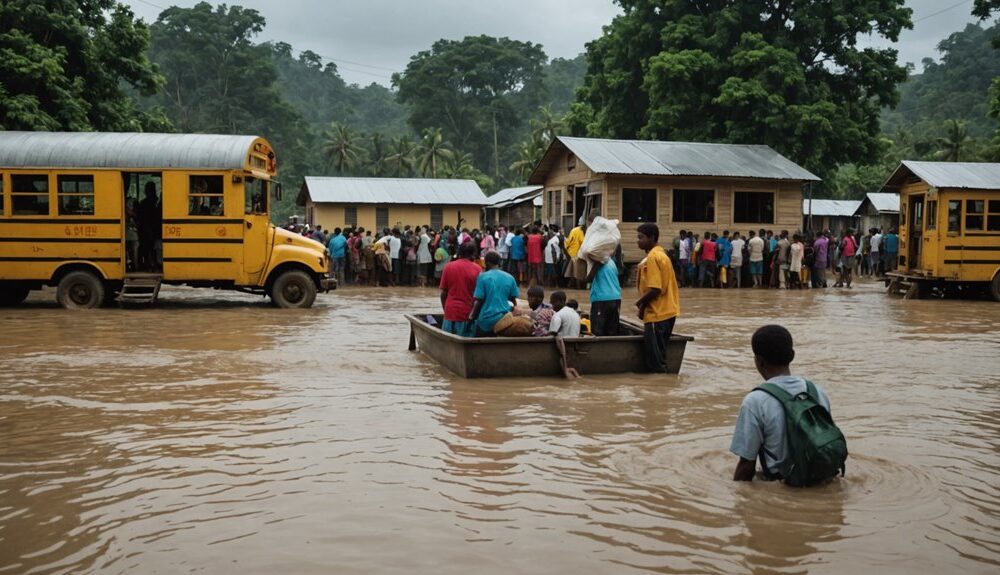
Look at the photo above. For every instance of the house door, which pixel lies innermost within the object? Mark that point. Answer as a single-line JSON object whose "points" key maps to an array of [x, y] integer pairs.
{"points": [[915, 231]]}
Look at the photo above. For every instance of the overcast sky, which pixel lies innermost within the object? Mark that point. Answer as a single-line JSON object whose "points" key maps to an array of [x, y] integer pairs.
{"points": [[370, 39]]}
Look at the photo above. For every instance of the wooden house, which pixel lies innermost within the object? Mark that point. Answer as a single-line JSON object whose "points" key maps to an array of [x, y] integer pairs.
{"points": [[879, 210], [949, 226], [379, 203], [512, 206], [831, 215], [678, 185]]}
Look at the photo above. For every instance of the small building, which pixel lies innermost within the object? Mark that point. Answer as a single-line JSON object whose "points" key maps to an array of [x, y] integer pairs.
{"points": [[949, 225], [678, 185], [379, 203], [879, 210], [832, 215], [512, 206]]}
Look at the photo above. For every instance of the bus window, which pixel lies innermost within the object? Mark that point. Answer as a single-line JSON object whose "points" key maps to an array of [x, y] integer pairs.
{"points": [[974, 210], [205, 196], [29, 195], [1, 195], [255, 195], [932, 215], [954, 215], [993, 219], [76, 195]]}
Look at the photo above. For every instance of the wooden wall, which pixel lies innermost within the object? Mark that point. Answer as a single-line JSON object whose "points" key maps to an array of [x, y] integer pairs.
{"points": [[331, 215]]}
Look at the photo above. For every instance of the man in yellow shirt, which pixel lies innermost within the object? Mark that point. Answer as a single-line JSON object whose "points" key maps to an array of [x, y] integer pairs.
{"points": [[659, 299], [572, 244]]}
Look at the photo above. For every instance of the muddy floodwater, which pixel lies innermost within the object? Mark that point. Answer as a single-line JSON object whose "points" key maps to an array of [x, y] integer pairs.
{"points": [[216, 434]]}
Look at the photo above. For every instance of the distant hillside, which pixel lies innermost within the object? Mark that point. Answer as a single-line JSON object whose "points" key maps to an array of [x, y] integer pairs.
{"points": [[955, 88]]}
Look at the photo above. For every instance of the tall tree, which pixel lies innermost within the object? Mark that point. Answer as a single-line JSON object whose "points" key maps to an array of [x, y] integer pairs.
{"points": [[984, 9], [787, 74], [342, 149], [476, 90], [432, 153], [69, 65], [402, 157], [952, 147]]}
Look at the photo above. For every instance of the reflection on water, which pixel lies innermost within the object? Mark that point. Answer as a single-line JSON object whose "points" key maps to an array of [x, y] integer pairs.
{"points": [[216, 433]]}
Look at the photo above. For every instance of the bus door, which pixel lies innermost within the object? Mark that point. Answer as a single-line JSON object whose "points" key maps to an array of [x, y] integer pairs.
{"points": [[916, 226], [256, 228], [143, 193]]}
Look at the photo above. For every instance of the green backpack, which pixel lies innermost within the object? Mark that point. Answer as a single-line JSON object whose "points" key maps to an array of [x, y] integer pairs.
{"points": [[817, 449]]}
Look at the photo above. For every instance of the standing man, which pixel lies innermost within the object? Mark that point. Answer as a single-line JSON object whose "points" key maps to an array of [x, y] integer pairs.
{"points": [[848, 247], [659, 301], [553, 255], [338, 254], [707, 263], [736, 261], [605, 298], [683, 257], [518, 253], [458, 283], [783, 248], [756, 246], [496, 291], [536, 259], [573, 242], [820, 251], [890, 247], [725, 249], [876, 260]]}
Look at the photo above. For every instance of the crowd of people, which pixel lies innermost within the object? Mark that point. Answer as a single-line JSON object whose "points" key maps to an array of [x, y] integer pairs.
{"points": [[763, 259]]}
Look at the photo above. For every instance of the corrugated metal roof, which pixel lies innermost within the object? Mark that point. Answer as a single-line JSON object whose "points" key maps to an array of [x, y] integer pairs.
{"points": [[509, 194], [394, 191], [123, 150], [643, 157], [836, 208], [967, 175], [884, 202]]}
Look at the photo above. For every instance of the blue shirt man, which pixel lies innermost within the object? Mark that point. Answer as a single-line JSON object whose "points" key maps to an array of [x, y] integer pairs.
{"points": [[518, 251], [338, 246], [890, 242], [495, 290], [725, 248], [605, 299], [605, 286]]}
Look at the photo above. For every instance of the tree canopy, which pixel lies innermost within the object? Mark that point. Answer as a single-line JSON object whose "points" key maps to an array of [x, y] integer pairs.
{"points": [[69, 65], [787, 74]]}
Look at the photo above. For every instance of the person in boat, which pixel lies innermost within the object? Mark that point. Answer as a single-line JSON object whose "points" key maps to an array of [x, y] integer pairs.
{"points": [[565, 320], [540, 312], [495, 294], [605, 298], [458, 282], [659, 301]]}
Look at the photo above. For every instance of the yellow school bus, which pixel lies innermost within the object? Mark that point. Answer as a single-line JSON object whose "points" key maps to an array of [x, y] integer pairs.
{"points": [[949, 226], [111, 216]]}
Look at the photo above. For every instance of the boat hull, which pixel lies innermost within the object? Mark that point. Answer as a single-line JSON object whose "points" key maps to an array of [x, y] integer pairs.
{"points": [[536, 356]]}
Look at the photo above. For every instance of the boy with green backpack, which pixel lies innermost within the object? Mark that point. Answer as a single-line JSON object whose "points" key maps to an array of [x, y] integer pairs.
{"points": [[785, 422]]}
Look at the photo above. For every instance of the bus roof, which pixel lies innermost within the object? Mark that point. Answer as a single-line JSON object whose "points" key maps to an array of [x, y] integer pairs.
{"points": [[124, 150]]}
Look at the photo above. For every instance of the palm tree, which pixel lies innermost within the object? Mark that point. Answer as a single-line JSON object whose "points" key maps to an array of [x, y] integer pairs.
{"points": [[340, 148], [528, 154], [955, 142], [546, 126], [459, 165], [402, 157], [377, 157], [433, 151]]}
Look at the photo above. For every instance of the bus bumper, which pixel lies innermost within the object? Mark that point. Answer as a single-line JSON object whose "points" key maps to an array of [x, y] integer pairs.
{"points": [[327, 284]]}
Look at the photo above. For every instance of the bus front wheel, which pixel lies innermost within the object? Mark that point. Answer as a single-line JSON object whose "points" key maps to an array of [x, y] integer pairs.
{"points": [[13, 295], [80, 290], [995, 287], [293, 289]]}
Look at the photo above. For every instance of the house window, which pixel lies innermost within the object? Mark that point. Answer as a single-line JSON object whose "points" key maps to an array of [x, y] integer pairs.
{"points": [[205, 196], [29, 195], [437, 218], [992, 221], [381, 218], [568, 208], [570, 162], [932, 215], [753, 207], [694, 206], [974, 212], [76, 195], [954, 215], [638, 205], [351, 216]]}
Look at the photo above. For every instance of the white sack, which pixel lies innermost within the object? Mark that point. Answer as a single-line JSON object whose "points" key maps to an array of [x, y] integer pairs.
{"points": [[600, 242]]}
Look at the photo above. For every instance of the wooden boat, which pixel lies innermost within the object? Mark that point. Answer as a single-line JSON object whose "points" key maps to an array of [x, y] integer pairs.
{"points": [[536, 356]]}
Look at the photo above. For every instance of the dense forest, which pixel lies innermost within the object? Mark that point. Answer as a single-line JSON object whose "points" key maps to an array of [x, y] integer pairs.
{"points": [[485, 108]]}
